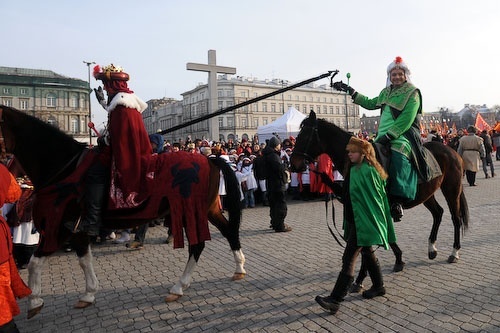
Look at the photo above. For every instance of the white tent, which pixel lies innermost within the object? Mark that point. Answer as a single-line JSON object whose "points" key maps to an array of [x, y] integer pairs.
{"points": [[286, 125]]}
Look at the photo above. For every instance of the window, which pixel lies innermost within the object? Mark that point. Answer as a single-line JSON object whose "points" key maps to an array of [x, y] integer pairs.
{"points": [[282, 108], [254, 107], [230, 122], [7, 101], [264, 121], [83, 102], [297, 106], [273, 107], [264, 107], [256, 122], [325, 108], [23, 91], [331, 109], [74, 125], [304, 108], [337, 109], [221, 122], [7, 90], [51, 100], [23, 104], [243, 94], [73, 102], [244, 122], [220, 93]]}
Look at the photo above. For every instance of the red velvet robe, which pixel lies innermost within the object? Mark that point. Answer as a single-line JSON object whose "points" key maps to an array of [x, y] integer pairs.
{"points": [[130, 151]]}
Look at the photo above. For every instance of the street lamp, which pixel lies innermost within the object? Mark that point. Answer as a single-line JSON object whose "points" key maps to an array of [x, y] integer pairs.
{"points": [[90, 124]]}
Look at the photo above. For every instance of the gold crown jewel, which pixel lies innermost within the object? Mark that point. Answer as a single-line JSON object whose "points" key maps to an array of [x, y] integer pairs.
{"points": [[112, 68]]}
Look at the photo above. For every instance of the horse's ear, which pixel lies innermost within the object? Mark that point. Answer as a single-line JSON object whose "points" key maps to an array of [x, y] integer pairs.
{"points": [[312, 115]]}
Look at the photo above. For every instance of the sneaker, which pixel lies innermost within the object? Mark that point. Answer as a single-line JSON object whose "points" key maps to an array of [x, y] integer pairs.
{"points": [[135, 245]]}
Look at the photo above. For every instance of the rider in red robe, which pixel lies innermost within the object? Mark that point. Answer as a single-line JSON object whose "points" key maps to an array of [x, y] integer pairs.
{"points": [[127, 137], [125, 150]]}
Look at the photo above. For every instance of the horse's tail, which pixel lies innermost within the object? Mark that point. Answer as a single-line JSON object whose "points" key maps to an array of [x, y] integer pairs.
{"points": [[464, 211], [232, 202]]}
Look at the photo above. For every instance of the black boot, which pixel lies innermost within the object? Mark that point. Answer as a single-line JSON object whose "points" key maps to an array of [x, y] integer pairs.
{"points": [[332, 302], [94, 201], [377, 288]]}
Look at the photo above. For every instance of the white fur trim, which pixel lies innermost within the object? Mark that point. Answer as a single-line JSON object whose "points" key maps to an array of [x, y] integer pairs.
{"points": [[127, 100]]}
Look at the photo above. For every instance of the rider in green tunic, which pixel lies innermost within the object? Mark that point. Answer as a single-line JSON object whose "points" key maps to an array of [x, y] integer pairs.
{"points": [[400, 103]]}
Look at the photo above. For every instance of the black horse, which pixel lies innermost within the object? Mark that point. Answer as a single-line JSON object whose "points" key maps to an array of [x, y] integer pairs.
{"points": [[318, 136], [48, 156]]}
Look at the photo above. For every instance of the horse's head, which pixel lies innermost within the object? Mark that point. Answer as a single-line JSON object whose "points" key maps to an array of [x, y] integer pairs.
{"points": [[307, 144]]}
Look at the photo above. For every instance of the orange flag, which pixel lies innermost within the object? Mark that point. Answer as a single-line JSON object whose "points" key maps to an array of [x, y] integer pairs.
{"points": [[481, 124]]}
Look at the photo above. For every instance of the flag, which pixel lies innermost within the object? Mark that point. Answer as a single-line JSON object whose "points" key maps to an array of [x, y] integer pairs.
{"points": [[481, 124]]}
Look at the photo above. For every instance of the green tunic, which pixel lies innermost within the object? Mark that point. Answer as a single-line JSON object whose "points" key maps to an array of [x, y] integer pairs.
{"points": [[400, 107], [370, 206]]}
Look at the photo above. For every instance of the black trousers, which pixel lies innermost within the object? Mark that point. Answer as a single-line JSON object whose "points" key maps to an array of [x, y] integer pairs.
{"points": [[471, 177], [352, 251], [277, 209]]}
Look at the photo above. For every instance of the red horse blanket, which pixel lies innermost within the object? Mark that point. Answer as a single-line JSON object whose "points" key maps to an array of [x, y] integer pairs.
{"points": [[181, 178]]}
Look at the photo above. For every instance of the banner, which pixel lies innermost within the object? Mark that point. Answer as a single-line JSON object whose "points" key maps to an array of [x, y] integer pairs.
{"points": [[481, 124]]}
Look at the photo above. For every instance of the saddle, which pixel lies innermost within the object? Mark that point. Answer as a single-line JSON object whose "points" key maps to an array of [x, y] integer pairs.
{"points": [[432, 168]]}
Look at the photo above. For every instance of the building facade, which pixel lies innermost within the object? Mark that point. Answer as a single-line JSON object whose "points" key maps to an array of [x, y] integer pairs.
{"points": [[55, 99], [242, 123]]}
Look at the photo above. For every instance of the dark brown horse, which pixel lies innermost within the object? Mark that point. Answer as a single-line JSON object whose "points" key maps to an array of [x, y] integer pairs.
{"points": [[48, 156], [317, 136]]}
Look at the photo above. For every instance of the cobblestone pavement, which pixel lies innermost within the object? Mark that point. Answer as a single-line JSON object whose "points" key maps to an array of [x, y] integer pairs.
{"points": [[285, 272]]}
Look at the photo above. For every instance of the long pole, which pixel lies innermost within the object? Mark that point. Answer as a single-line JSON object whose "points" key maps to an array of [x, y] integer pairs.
{"points": [[90, 124], [250, 101]]}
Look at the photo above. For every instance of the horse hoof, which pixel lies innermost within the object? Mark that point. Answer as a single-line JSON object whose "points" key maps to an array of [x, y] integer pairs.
{"points": [[433, 255], [33, 312], [82, 304], [398, 267], [452, 260], [172, 298], [238, 276]]}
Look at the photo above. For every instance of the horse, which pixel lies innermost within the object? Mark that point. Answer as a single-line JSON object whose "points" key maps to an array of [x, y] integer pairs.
{"points": [[318, 136], [48, 156]]}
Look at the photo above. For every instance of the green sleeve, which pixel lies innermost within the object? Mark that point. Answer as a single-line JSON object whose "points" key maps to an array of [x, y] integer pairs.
{"points": [[365, 102], [406, 118]]}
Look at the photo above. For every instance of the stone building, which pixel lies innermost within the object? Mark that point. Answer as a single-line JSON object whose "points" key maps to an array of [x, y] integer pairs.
{"points": [[55, 99], [242, 123]]}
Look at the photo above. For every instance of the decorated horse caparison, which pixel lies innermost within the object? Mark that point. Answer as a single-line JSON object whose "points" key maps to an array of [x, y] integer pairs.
{"points": [[53, 161], [318, 136]]}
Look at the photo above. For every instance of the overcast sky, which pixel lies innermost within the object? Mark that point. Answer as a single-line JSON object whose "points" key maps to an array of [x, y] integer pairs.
{"points": [[451, 46]]}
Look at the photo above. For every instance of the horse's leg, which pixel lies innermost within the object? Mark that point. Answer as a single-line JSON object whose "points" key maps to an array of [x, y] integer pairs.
{"points": [[459, 213], [232, 236], [35, 301], [178, 289], [437, 214], [80, 243], [400, 264]]}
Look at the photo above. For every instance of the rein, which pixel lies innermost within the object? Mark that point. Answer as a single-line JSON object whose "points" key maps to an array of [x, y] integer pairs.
{"points": [[51, 179]]}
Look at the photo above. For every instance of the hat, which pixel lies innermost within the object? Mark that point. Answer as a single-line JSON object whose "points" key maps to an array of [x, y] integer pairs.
{"points": [[274, 142], [397, 63], [110, 73]]}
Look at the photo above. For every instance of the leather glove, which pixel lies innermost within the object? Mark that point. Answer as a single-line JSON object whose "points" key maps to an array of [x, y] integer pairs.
{"points": [[99, 93], [385, 140], [341, 86]]}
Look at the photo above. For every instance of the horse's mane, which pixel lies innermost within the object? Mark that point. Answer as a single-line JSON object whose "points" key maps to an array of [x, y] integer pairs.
{"points": [[42, 149], [30, 130]]}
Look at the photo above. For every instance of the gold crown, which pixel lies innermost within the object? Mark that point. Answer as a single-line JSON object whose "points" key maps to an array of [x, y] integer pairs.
{"points": [[112, 68]]}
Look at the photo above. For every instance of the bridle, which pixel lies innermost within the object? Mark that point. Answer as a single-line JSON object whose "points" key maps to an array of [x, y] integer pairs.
{"points": [[308, 158]]}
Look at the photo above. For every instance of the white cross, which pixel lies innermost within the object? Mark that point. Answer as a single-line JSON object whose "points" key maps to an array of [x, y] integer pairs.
{"points": [[212, 70]]}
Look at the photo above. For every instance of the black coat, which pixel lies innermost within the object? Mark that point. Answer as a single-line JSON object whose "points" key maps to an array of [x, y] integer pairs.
{"points": [[276, 178]]}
